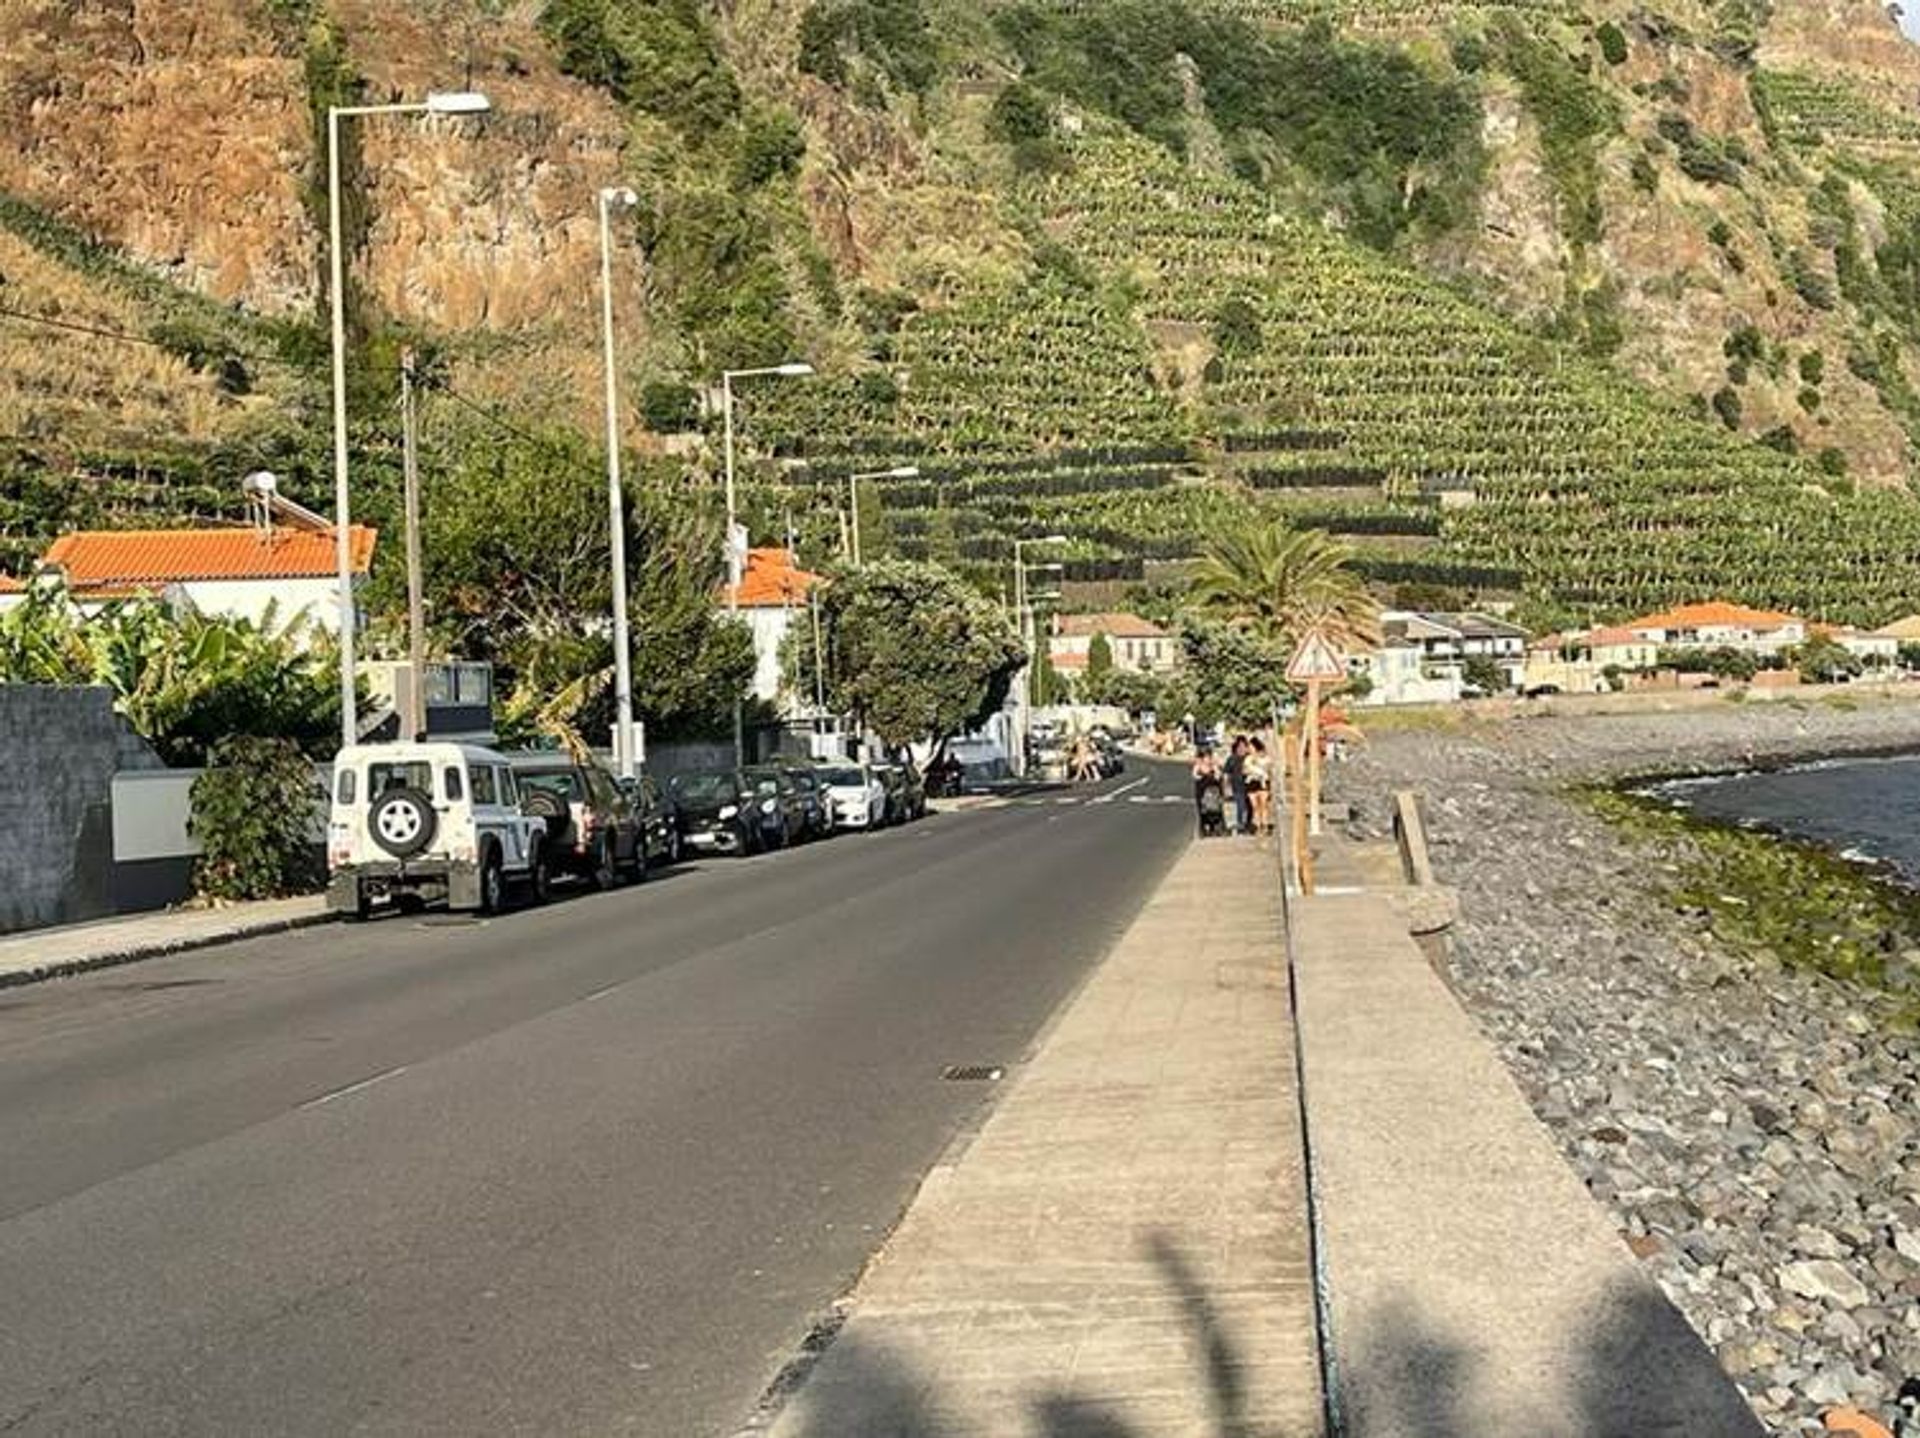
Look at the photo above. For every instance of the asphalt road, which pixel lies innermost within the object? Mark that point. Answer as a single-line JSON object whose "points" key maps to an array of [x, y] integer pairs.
{"points": [[594, 1168]]}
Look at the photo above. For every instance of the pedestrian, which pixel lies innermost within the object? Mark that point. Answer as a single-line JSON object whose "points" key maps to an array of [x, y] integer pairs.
{"points": [[1260, 786], [1208, 800], [1236, 772], [1086, 766]]}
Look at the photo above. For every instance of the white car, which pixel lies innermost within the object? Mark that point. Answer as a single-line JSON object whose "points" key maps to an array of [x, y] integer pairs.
{"points": [[859, 798], [421, 821]]}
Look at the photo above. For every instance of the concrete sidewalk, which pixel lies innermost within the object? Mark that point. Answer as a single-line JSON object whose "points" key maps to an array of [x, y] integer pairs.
{"points": [[74, 948], [1122, 1251]]}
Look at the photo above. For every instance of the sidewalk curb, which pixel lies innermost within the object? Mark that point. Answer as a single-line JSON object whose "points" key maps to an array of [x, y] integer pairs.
{"points": [[159, 948]]}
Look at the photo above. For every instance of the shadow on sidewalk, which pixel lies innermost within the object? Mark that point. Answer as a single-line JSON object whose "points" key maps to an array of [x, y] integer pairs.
{"points": [[1637, 1370]]}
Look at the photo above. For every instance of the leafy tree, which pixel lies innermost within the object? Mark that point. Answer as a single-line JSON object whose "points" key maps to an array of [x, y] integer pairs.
{"points": [[669, 407], [1238, 675], [1481, 672], [1022, 118], [890, 36], [1282, 582], [659, 56], [911, 650], [771, 147], [1825, 660], [1099, 665], [1236, 326]]}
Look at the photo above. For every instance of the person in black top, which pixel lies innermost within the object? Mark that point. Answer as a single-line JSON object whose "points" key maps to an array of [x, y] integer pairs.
{"points": [[1208, 787], [1236, 771]]}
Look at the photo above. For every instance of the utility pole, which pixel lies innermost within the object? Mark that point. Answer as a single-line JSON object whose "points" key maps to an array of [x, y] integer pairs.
{"points": [[416, 716], [623, 736]]}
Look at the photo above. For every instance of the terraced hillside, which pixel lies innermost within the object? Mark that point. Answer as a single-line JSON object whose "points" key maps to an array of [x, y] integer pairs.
{"points": [[1448, 445]]}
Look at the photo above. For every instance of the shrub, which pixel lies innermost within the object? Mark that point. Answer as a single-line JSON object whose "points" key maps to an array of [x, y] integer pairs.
{"points": [[1833, 461], [771, 147], [1644, 173], [668, 406], [1613, 43], [1236, 326], [1809, 398], [1813, 367], [1726, 404], [252, 811]]}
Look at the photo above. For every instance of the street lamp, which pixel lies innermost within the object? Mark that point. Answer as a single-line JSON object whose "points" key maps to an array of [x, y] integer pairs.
{"points": [[623, 748], [905, 471], [458, 102], [1023, 608], [736, 552]]}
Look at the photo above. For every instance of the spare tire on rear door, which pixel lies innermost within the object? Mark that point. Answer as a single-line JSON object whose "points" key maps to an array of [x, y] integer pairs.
{"points": [[402, 822]]}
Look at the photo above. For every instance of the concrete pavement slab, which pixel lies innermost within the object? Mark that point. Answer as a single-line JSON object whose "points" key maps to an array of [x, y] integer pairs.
{"points": [[1122, 1249]]}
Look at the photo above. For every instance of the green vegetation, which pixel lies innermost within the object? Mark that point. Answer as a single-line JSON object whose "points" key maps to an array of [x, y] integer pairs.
{"points": [[909, 650], [1775, 899], [1388, 141], [1575, 116], [252, 812], [868, 44]]}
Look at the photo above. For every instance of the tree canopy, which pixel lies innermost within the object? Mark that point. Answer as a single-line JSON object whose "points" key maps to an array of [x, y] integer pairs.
{"points": [[910, 650]]}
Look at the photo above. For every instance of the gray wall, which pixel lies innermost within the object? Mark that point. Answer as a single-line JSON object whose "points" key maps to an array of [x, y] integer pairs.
{"points": [[59, 750]]}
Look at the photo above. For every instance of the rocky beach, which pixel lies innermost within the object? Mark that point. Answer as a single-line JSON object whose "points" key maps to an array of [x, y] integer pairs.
{"points": [[1754, 1124]]}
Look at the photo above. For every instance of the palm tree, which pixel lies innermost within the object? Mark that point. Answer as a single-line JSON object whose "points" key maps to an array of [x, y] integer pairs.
{"points": [[1285, 583]]}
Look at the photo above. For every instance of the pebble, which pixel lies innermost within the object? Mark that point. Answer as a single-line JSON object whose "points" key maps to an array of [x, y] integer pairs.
{"points": [[1754, 1130]]}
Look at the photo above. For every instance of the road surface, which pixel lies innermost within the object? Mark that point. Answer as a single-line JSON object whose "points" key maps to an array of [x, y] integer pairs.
{"points": [[589, 1169]]}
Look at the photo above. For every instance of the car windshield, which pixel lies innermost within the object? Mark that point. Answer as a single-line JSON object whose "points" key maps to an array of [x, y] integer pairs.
{"points": [[704, 788], [563, 783], [764, 783], [844, 778]]}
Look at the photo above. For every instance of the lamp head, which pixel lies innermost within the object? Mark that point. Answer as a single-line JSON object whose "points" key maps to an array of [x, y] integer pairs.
{"points": [[620, 195], [458, 102], [798, 367], [1049, 539], [905, 471]]}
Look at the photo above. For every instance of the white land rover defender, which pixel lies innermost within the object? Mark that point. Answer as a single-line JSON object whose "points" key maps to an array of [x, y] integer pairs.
{"points": [[421, 821]]}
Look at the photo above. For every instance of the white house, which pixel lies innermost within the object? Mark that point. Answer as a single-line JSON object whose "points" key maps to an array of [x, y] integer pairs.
{"points": [[1139, 645], [1719, 625], [772, 597], [239, 573], [1417, 661]]}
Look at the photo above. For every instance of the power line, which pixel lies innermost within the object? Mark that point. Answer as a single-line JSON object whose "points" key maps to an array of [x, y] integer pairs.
{"points": [[127, 337]]}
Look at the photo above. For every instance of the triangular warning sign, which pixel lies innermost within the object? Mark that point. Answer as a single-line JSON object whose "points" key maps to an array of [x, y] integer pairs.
{"points": [[1315, 659]]}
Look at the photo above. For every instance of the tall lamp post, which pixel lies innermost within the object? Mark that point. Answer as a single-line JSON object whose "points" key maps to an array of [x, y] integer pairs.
{"points": [[463, 102], [1023, 609], [905, 471], [736, 552], [623, 745]]}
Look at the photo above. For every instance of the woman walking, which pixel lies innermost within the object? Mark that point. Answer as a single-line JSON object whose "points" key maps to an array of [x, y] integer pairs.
{"points": [[1259, 786]]}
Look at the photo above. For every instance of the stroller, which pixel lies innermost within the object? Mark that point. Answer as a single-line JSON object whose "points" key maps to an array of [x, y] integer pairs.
{"points": [[1210, 798]]}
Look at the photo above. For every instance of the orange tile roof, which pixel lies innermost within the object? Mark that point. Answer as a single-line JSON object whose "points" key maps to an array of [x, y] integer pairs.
{"points": [[1114, 626], [772, 581], [1600, 638], [96, 559], [1715, 614]]}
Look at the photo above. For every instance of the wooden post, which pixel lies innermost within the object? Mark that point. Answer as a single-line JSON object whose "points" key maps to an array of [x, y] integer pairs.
{"points": [[1297, 806], [1313, 756]]}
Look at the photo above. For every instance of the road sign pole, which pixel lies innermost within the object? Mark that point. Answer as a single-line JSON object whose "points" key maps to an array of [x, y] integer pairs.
{"points": [[1313, 757]]}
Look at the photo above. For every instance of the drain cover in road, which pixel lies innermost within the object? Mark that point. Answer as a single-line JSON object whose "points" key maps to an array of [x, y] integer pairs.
{"points": [[972, 1073]]}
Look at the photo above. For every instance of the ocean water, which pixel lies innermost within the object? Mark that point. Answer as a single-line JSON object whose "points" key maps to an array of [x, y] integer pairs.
{"points": [[1862, 809]]}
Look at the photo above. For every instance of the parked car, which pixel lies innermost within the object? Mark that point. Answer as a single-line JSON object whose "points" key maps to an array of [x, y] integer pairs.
{"points": [[779, 805], [659, 817], [421, 822], [593, 828], [906, 795], [859, 798], [818, 802], [716, 812]]}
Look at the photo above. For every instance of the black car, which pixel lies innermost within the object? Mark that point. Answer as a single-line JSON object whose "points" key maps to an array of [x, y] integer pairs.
{"points": [[593, 830], [659, 816], [779, 805], [716, 812], [814, 791]]}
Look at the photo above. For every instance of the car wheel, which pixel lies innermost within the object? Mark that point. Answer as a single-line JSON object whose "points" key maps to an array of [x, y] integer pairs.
{"points": [[539, 876], [606, 871], [493, 883], [362, 904], [408, 903]]}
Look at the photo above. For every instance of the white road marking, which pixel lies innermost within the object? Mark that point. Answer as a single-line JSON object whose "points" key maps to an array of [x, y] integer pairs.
{"points": [[1115, 794], [1066, 801], [364, 1083]]}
